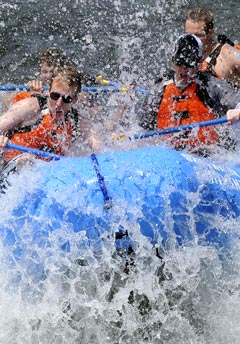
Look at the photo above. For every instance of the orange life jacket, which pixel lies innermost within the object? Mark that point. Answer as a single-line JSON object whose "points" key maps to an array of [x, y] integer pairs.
{"points": [[185, 107], [47, 136], [21, 95]]}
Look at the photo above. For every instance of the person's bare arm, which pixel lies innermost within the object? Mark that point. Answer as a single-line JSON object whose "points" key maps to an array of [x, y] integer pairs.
{"points": [[92, 137], [36, 86], [3, 141], [8, 100], [228, 64], [21, 113], [87, 138]]}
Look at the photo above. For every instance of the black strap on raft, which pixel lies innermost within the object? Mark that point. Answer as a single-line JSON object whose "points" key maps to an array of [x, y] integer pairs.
{"points": [[107, 199]]}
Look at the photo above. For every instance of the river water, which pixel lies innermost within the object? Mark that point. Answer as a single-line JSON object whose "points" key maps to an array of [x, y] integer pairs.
{"points": [[197, 300], [114, 38]]}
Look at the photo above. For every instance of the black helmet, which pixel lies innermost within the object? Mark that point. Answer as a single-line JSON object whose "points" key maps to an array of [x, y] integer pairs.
{"points": [[188, 51]]}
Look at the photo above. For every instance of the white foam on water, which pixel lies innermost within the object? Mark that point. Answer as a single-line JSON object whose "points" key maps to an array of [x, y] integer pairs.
{"points": [[116, 298]]}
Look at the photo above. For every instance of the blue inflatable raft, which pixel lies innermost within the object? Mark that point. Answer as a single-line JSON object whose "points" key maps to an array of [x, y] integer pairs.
{"points": [[152, 195]]}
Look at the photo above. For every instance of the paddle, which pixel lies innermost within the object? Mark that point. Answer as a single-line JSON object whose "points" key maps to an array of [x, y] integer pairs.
{"points": [[84, 88], [180, 128], [34, 151], [17, 88], [135, 136], [116, 84]]}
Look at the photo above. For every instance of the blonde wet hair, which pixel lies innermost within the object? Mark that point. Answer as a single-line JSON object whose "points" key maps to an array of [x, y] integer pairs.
{"points": [[70, 75]]}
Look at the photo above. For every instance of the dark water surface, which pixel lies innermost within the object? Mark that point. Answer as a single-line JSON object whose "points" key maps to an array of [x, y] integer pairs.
{"points": [[110, 37]]}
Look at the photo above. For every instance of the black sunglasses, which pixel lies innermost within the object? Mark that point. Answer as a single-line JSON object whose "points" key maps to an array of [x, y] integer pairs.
{"points": [[55, 96]]}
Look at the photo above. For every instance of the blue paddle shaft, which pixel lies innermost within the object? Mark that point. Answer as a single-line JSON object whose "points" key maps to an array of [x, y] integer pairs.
{"points": [[115, 88], [17, 88], [135, 136], [34, 151], [27, 88], [180, 128]]}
